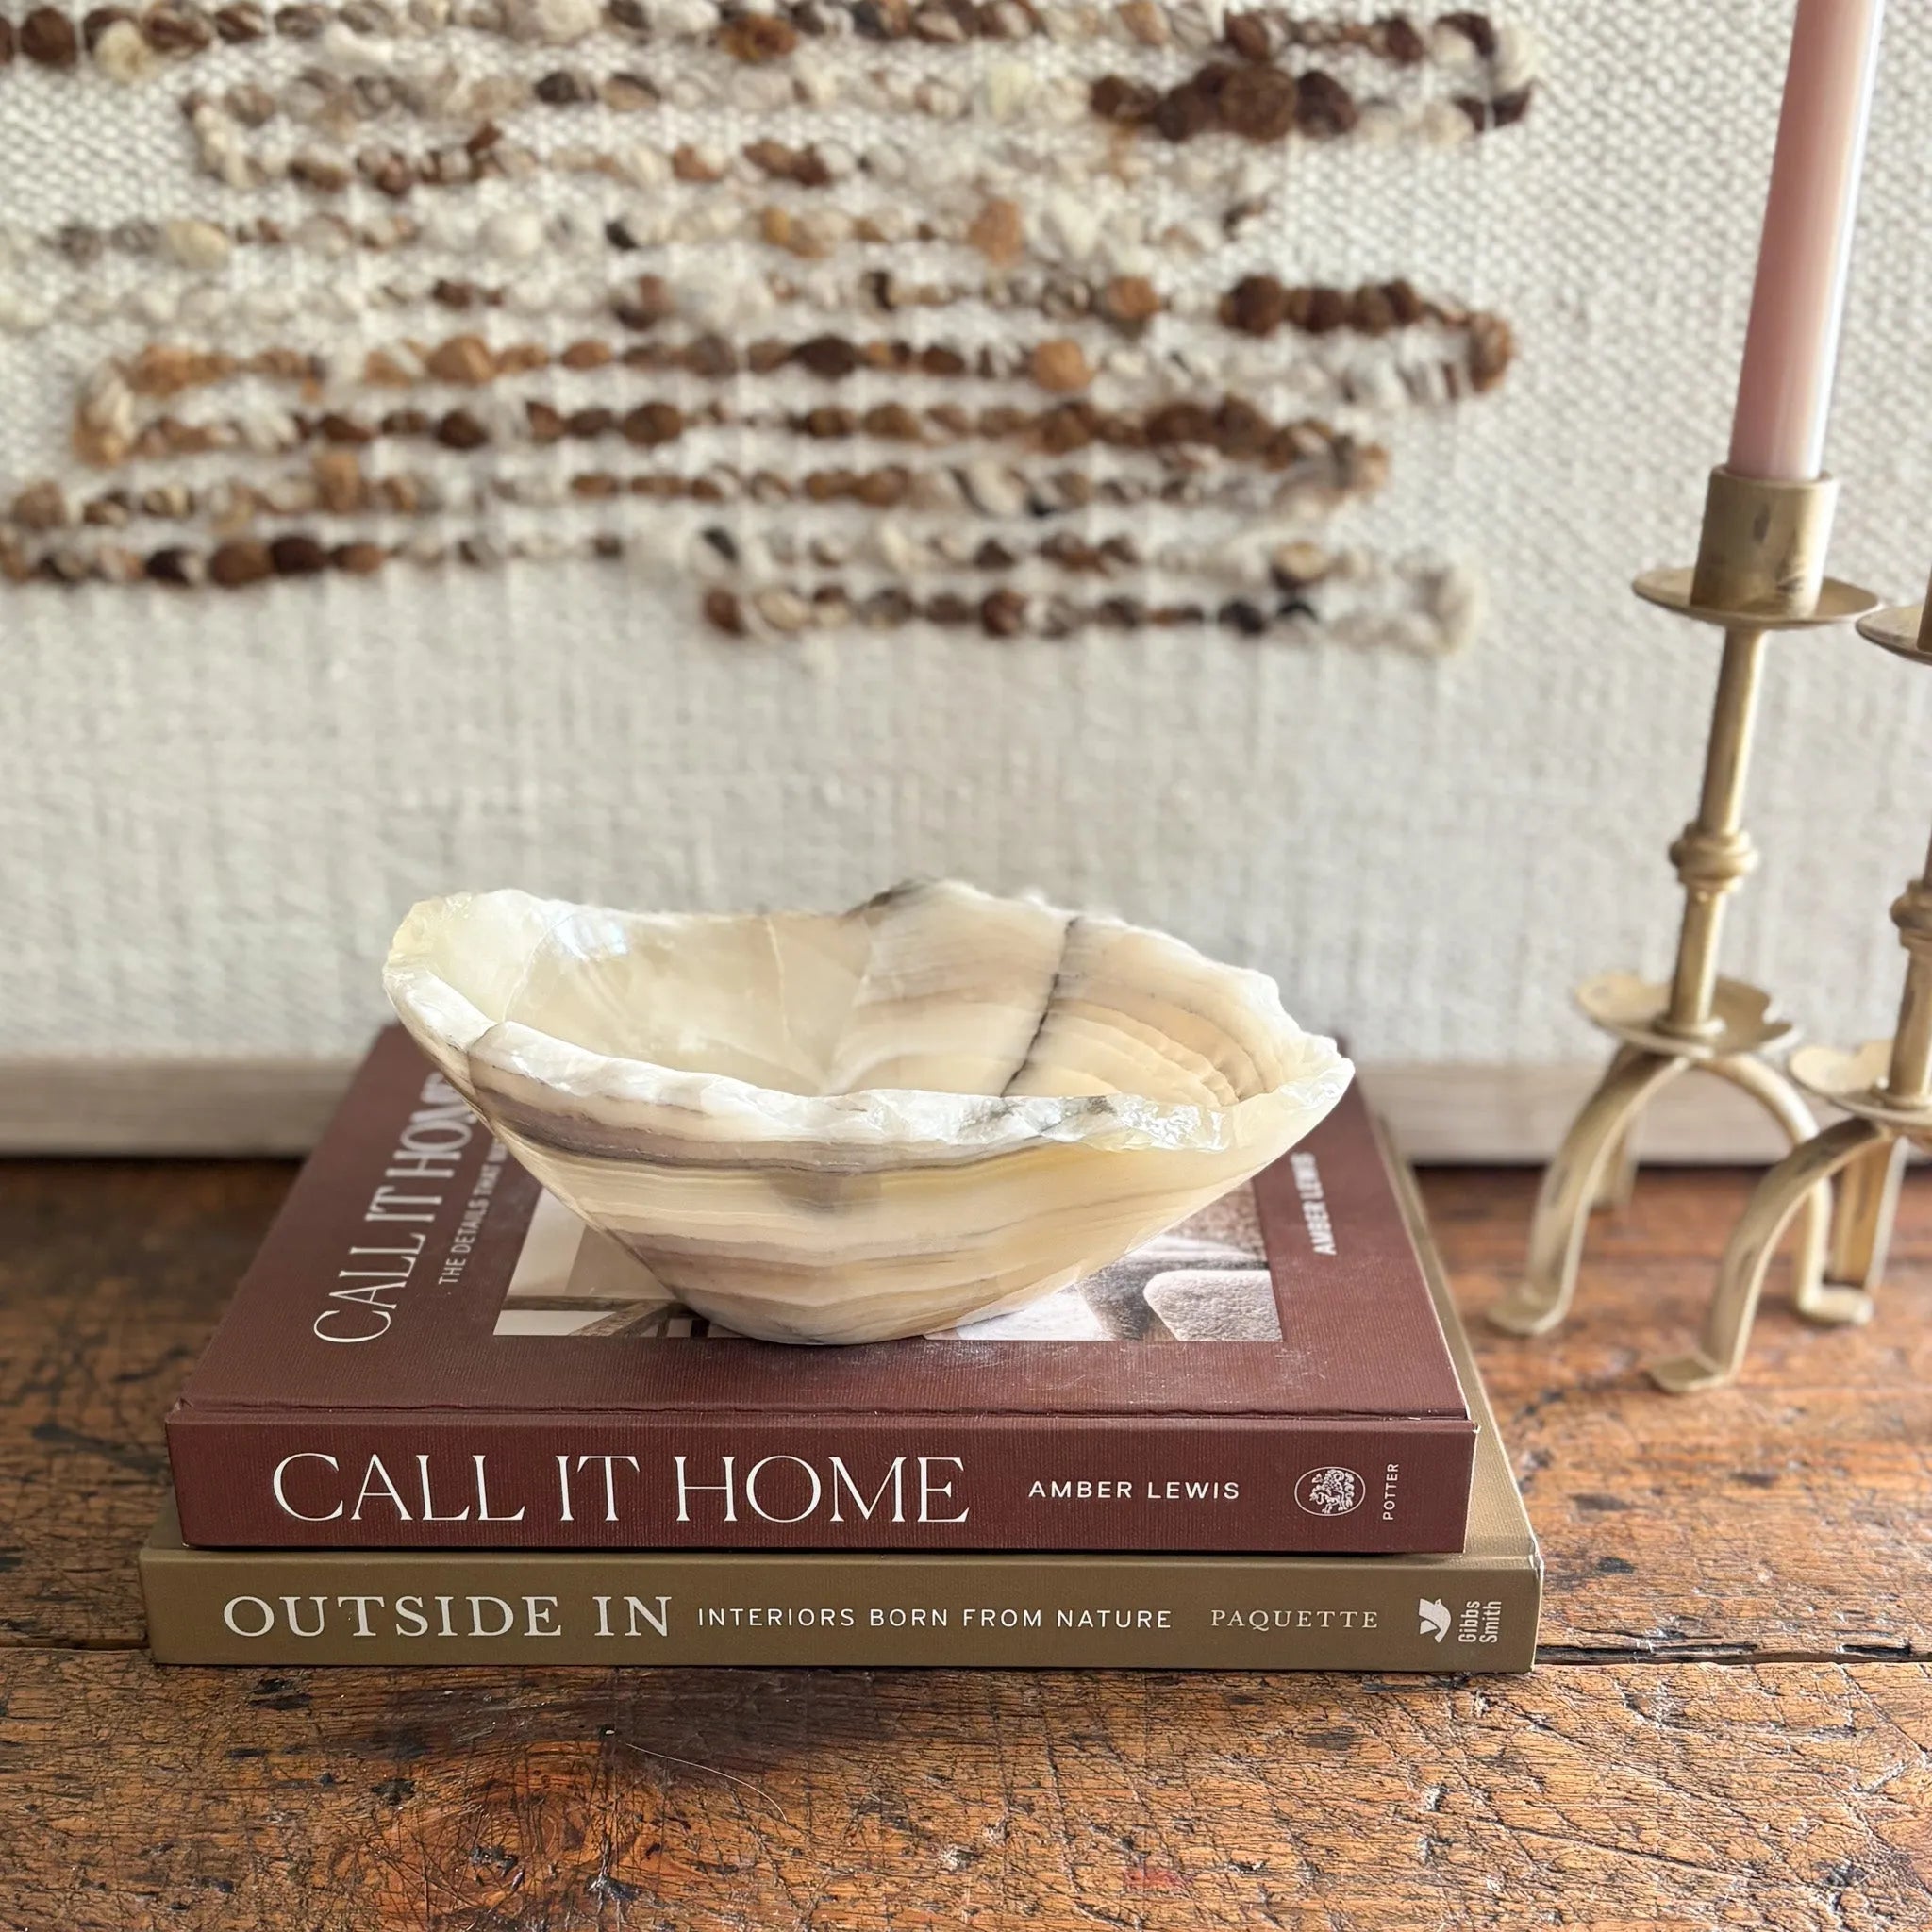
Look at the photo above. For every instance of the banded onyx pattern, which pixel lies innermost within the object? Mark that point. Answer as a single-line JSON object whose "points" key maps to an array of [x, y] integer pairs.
{"points": [[846, 1128]]}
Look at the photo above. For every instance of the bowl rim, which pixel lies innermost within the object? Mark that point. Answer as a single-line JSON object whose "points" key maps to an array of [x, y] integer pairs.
{"points": [[464, 1040]]}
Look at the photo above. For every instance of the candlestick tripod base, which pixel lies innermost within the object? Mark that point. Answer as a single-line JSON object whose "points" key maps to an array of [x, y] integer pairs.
{"points": [[1883, 1088], [1596, 1168], [1759, 570]]}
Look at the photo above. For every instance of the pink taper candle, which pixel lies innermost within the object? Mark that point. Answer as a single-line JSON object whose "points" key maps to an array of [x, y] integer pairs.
{"points": [[1784, 390]]}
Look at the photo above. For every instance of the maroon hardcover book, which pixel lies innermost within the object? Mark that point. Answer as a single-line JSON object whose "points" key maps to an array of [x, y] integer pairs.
{"points": [[430, 1350]]}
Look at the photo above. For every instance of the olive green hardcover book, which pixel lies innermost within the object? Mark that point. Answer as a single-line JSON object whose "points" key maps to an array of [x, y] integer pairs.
{"points": [[1476, 1610]]}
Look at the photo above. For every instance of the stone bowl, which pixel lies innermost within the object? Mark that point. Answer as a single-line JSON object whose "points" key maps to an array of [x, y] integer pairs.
{"points": [[848, 1127]]}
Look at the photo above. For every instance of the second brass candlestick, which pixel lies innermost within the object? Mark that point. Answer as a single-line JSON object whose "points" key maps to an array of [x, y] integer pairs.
{"points": [[1760, 568], [1885, 1089]]}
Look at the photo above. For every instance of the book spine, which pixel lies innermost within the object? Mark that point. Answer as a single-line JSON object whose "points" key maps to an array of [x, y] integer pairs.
{"points": [[816, 1482], [245, 1607]]}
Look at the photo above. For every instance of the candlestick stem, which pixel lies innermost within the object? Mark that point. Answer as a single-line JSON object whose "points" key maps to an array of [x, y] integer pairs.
{"points": [[1910, 1065], [1714, 853]]}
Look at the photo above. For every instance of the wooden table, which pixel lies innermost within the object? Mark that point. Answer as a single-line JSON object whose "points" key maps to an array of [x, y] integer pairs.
{"points": [[1730, 1723]]}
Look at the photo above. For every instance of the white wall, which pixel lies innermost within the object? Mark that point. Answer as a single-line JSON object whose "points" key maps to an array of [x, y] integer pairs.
{"points": [[213, 809]]}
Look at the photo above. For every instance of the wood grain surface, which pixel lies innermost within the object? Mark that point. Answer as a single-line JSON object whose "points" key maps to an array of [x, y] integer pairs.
{"points": [[1731, 1723], [1789, 1795]]}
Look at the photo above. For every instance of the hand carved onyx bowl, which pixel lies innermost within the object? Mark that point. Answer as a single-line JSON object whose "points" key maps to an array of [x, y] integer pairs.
{"points": [[846, 1127]]}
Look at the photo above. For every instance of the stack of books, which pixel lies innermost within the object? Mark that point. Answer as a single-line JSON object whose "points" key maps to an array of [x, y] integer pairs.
{"points": [[444, 1422]]}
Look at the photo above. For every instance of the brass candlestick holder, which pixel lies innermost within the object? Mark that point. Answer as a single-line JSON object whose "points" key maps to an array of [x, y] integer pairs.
{"points": [[1883, 1088], [1760, 568]]}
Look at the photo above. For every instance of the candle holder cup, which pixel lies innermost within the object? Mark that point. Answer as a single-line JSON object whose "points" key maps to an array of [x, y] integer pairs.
{"points": [[1760, 568], [1883, 1088]]}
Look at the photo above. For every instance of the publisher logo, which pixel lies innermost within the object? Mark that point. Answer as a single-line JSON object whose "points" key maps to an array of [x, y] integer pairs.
{"points": [[1434, 1614], [1331, 1491]]}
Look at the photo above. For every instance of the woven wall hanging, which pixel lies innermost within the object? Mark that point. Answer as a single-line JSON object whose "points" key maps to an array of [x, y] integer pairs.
{"points": [[977, 313]]}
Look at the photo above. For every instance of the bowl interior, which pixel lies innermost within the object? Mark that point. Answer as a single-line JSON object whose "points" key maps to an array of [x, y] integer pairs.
{"points": [[940, 988]]}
